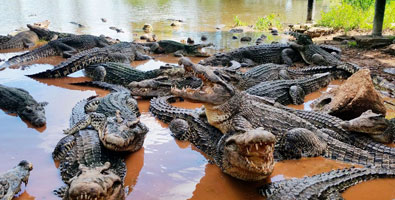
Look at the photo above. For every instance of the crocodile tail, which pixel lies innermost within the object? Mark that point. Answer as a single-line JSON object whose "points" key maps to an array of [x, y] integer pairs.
{"points": [[41, 52], [102, 85], [11, 44], [161, 108]]}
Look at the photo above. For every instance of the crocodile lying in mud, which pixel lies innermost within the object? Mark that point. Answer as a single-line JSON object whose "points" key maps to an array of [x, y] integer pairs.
{"points": [[11, 181], [177, 48], [19, 101], [65, 47], [225, 112], [24, 39], [328, 185], [89, 169], [247, 156], [123, 74], [125, 52], [114, 117]]}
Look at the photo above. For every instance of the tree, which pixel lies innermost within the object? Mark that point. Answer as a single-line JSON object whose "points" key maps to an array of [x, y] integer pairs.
{"points": [[310, 4], [378, 17]]}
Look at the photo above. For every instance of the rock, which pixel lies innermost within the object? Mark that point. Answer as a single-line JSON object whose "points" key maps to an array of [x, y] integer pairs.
{"points": [[103, 19], [259, 41], [342, 37], [175, 23], [245, 39], [234, 37], [118, 30], [236, 30], [274, 31], [345, 42], [263, 36], [147, 28], [390, 49], [203, 38], [352, 98], [368, 41], [143, 37], [190, 41], [389, 70], [319, 31]]}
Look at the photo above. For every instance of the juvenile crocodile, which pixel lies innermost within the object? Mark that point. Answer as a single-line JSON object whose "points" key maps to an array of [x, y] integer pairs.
{"points": [[114, 117], [65, 47], [225, 112], [326, 185], [123, 74], [19, 101], [24, 39], [179, 49], [247, 156], [125, 52], [89, 170], [11, 181]]}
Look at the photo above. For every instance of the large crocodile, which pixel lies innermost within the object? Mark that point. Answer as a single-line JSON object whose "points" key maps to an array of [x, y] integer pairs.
{"points": [[65, 47], [225, 112], [89, 169], [247, 156], [48, 35], [19, 101], [326, 185], [11, 181], [177, 48], [114, 116], [24, 39], [125, 52]]}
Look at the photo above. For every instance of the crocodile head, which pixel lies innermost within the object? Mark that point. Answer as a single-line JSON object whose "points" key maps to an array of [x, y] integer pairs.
{"points": [[42, 33], [214, 89], [249, 155], [124, 133], [223, 59], [95, 183], [24, 168], [369, 122], [34, 113], [161, 86]]}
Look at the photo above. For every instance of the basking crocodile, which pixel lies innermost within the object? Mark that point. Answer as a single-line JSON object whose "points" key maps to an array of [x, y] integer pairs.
{"points": [[327, 185], [65, 47], [247, 156], [125, 52], [179, 49], [24, 39], [19, 101], [48, 35], [225, 112], [4, 38], [123, 74], [89, 169], [115, 117], [11, 181]]}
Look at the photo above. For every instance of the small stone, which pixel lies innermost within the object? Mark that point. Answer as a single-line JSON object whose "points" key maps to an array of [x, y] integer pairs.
{"points": [[190, 41], [143, 37], [245, 39], [103, 19], [236, 30], [263, 36], [203, 38], [259, 41], [234, 37], [147, 28]]}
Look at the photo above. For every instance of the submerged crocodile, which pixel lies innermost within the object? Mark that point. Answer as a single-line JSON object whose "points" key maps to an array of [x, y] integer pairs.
{"points": [[19, 101], [123, 74], [328, 185], [11, 181], [125, 52], [179, 49], [225, 112], [89, 169], [65, 47], [247, 156], [114, 117], [24, 39]]}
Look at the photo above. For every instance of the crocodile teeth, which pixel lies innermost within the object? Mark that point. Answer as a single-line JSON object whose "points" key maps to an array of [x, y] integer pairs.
{"points": [[248, 152], [256, 146]]}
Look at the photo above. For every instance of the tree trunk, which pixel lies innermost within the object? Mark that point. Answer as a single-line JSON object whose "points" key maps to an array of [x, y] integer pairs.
{"points": [[378, 17], [310, 4]]}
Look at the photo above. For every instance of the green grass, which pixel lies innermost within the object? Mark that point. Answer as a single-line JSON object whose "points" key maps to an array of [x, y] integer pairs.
{"points": [[356, 14], [238, 22], [262, 23], [352, 44]]}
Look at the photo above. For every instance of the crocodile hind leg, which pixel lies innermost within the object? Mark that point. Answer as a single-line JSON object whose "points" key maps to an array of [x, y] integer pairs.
{"points": [[287, 55], [28, 43], [297, 94], [318, 59]]}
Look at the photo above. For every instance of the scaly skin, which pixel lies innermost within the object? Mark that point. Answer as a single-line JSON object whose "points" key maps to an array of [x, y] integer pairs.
{"points": [[19, 101], [327, 185], [48, 35], [122, 52], [247, 156], [89, 169], [11, 181], [225, 112], [179, 49], [65, 47], [25, 39], [123, 74], [114, 117]]}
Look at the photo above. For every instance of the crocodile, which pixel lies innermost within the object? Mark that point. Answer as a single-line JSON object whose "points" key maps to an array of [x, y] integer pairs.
{"points": [[4, 38], [247, 156], [121, 52], [89, 170], [19, 101], [225, 112], [326, 185], [123, 74], [115, 117], [65, 47], [177, 48], [48, 35], [161, 85], [24, 39], [11, 181]]}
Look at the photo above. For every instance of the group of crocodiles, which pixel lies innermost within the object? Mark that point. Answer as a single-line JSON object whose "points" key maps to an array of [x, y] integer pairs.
{"points": [[244, 127]]}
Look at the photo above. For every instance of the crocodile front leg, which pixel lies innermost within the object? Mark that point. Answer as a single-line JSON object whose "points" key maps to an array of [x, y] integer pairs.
{"points": [[28, 43], [96, 120], [297, 94], [67, 51], [140, 56]]}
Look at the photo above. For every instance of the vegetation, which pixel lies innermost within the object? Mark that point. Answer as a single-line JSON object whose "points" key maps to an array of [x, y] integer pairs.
{"points": [[356, 14], [263, 23], [238, 22]]}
